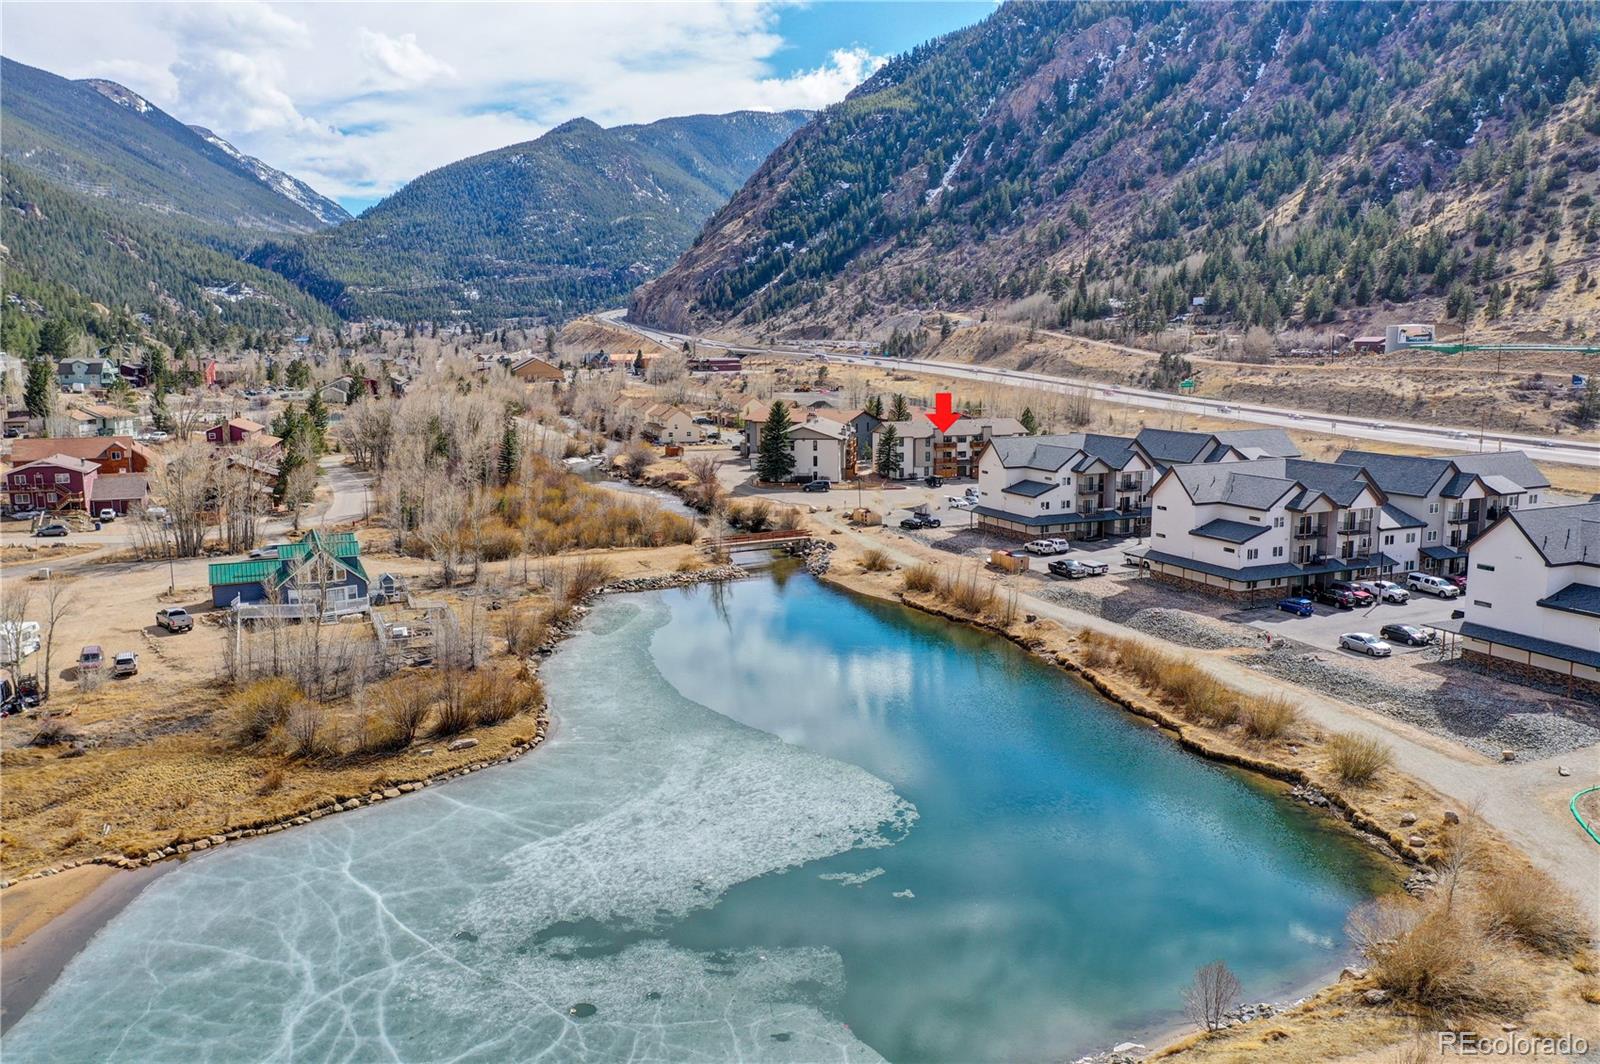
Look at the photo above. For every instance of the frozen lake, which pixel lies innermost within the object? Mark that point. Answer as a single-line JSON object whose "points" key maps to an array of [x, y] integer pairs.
{"points": [[774, 822]]}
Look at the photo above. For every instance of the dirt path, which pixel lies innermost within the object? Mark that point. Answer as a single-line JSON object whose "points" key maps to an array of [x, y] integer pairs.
{"points": [[1527, 802]]}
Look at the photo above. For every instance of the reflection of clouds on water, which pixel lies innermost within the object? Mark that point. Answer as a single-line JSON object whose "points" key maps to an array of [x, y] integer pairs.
{"points": [[1302, 933], [475, 918]]}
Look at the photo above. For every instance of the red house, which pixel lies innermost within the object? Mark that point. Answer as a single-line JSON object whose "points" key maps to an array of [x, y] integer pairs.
{"points": [[234, 431], [59, 482], [112, 454]]}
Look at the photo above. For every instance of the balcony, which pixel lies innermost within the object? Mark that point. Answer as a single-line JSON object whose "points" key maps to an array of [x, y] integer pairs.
{"points": [[1130, 484], [1355, 528], [1309, 531]]}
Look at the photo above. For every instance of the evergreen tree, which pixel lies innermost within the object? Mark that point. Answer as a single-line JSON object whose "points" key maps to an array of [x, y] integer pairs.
{"points": [[509, 451], [900, 411], [774, 459], [39, 389], [57, 339], [875, 407], [160, 416], [1497, 303], [317, 414], [1029, 421], [888, 460]]}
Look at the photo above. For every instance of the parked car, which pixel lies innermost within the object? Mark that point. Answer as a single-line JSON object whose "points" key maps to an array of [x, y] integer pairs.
{"points": [[1387, 591], [125, 663], [1363, 597], [90, 658], [1043, 546], [54, 528], [1408, 634], [814, 486], [916, 521], [704, 421], [107, 514], [972, 493], [156, 513], [1458, 579], [1073, 569], [1333, 596], [1300, 607], [933, 482], [174, 619], [959, 502], [1365, 643], [1433, 585], [263, 552], [25, 515]]}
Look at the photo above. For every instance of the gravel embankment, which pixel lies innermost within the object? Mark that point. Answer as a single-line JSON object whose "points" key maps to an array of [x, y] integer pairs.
{"points": [[1474, 710], [1176, 626]]}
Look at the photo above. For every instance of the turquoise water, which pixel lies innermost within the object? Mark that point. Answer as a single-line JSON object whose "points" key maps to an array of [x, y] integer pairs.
{"points": [[775, 822]]}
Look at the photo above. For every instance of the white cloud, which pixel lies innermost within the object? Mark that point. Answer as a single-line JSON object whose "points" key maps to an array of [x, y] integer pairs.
{"points": [[400, 60], [357, 99]]}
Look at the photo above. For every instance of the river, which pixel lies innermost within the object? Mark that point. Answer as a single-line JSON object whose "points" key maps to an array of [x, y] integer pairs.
{"points": [[774, 821]]}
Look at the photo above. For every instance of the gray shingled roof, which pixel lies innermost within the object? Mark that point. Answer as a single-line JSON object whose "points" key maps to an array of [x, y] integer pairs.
{"points": [[1274, 442], [1028, 488], [1399, 474], [1576, 598], [1564, 535], [1228, 531], [1340, 483], [1514, 465], [1400, 518], [1054, 452], [1230, 483]]}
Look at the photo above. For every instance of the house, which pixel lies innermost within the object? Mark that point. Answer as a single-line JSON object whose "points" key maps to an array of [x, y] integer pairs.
{"points": [[754, 415], [235, 431], [110, 454], [59, 482], [1266, 527], [926, 451], [320, 575], [1532, 605], [858, 424], [1077, 486], [119, 492], [85, 374], [1438, 506], [536, 371], [1400, 337], [108, 420], [136, 374], [667, 424], [824, 449], [1368, 345], [1163, 448], [20, 419], [72, 422]]}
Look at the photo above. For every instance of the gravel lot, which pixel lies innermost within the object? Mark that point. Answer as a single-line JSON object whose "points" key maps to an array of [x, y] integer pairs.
{"points": [[1477, 710]]}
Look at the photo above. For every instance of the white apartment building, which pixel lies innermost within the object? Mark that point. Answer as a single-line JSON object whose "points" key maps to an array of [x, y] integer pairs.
{"points": [[925, 451], [1265, 527], [1075, 486], [1532, 605], [667, 424], [1438, 506], [823, 449]]}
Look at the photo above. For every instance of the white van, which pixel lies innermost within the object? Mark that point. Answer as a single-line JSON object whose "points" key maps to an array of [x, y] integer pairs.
{"points": [[1433, 585]]}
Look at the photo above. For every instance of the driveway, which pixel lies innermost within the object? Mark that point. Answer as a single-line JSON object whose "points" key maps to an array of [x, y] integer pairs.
{"points": [[1324, 628]]}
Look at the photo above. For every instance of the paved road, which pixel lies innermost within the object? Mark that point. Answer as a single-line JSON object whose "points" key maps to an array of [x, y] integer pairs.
{"points": [[1549, 449]]}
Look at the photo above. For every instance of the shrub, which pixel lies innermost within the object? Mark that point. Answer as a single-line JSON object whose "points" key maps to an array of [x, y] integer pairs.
{"points": [[308, 730], [526, 632], [586, 576], [1357, 759], [965, 592], [258, 709], [921, 577], [404, 705], [876, 560], [753, 515], [492, 698], [499, 542], [1436, 958], [1270, 718], [271, 781], [1528, 906]]}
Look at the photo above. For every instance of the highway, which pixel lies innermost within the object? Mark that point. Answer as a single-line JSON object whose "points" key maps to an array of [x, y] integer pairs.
{"points": [[1564, 450]]}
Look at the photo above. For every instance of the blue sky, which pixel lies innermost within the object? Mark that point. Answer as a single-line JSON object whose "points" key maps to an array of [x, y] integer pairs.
{"points": [[356, 99]]}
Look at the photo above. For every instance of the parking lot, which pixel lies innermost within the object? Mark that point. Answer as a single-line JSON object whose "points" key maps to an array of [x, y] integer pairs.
{"points": [[1328, 623]]}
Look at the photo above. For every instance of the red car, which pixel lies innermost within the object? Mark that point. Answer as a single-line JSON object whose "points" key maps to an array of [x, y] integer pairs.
{"points": [[1458, 579]]}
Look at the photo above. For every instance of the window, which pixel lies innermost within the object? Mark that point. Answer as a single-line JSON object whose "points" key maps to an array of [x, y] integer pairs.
{"points": [[1044, 505], [1432, 536], [1277, 522], [54, 497], [1388, 539], [1229, 550], [63, 478], [1277, 552], [1485, 605], [1250, 585], [116, 456], [1256, 519], [1160, 507], [1161, 535], [1486, 567], [1252, 554], [23, 500], [1411, 537], [1433, 507], [1534, 497]]}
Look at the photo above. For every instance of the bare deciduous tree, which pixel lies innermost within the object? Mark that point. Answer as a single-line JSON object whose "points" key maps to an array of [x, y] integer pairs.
{"points": [[59, 602], [1214, 991]]}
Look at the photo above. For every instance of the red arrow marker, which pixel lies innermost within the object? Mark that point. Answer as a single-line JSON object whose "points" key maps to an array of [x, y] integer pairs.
{"points": [[942, 416]]}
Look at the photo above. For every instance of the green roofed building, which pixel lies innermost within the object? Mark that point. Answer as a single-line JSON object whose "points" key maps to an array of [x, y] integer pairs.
{"points": [[321, 570]]}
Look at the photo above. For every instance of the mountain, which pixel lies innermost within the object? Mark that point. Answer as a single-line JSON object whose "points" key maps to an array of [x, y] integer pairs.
{"points": [[545, 229], [107, 143], [1286, 163]]}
